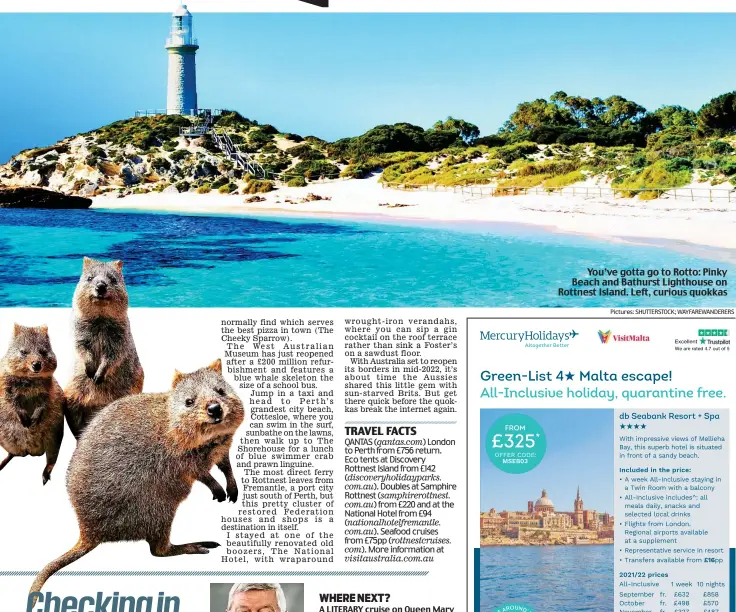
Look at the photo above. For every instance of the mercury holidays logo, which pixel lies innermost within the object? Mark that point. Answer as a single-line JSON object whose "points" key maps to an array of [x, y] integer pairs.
{"points": [[533, 338], [604, 336]]}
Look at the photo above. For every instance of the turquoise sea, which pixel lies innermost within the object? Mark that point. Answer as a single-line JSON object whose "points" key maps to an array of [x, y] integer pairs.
{"points": [[547, 578], [179, 260]]}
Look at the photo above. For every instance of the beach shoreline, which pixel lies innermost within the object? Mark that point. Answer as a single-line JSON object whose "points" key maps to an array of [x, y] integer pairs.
{"points": [[674, 224]]}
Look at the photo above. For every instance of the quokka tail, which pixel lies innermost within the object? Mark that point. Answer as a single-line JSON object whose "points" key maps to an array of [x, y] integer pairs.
{"points": [[80, 549]]}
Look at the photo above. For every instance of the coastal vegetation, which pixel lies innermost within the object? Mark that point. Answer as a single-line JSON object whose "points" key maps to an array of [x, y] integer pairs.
{"points": [[547, 143]]}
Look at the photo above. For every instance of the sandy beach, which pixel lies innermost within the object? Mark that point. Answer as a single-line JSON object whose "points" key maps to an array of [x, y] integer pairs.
{"points": [[665, 221]]}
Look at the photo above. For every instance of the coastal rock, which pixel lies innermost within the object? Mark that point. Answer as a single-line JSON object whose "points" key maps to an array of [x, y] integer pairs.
{"points": [[32, 178], [128, 175], [313, 197], [33, 197], [203, 170], [88, 190], [171, 189], [254, 198]]}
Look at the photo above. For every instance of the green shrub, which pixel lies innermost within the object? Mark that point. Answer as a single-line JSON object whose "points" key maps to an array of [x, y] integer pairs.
{"points": [[315, 169], [638, 161], [491, 141], [182, 186], [274, 164], [382, 139], [656, 177], [143, 132], [720, 147], [671, 138], [552, 167], [160, 164], [206, 188], [396, 172], [97, 151], [297, 181], [727, 165], [227, 188], [677, 164], [259, 138], [705, 163], [179, 154], [512, 152], [259, 186], [305, 152], [234, 119], [358, 171], [563, 180], [170, 145], [219, 182]]}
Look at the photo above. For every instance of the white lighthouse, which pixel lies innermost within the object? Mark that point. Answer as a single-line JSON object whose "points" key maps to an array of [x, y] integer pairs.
{"points": [[181, 93]]}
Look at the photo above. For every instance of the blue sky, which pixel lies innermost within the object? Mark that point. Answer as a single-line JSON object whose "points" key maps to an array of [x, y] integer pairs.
{"points": [[580, 448], [337, 75]]}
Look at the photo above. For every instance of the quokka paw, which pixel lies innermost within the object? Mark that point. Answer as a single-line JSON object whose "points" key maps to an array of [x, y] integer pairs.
{"points": [[232, 494], [24, 419], [218, 495]]}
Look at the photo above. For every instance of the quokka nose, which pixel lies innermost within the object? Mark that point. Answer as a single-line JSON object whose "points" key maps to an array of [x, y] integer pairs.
{"points": [[214, 410], [101, 288], [36, 365]]}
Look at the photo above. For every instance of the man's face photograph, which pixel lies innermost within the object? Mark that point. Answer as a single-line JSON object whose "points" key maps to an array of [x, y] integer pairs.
{"points": [[255, 601]]}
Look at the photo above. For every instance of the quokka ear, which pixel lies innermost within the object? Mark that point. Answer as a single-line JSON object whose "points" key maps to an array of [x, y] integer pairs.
{"points": [[44, 329], [17, 329], [178, 377], [117, 264], [216, 366]]}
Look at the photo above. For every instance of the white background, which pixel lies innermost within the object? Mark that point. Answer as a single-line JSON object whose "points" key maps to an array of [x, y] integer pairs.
{"points": [[37, 523]]}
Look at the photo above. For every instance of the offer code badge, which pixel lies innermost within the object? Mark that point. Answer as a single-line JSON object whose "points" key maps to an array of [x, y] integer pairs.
{"points": [[516, 443]]}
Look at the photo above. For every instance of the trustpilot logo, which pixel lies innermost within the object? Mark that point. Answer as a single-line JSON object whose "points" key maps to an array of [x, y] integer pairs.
{"points": [[544, 335]]}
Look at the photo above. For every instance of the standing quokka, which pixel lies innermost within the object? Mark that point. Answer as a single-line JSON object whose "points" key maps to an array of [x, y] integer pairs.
{"points": [[107, 366], [138, 460], [31, 401]]}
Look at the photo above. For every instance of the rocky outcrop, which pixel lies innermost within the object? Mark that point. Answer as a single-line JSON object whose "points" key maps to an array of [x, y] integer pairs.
{"points": [[34, 197]]}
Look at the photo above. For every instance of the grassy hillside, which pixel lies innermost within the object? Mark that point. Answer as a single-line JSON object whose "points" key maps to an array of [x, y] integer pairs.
{"points": [[551, 143]]}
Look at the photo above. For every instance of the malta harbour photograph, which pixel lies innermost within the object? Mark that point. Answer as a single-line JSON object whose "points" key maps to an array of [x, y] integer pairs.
{"points": [[551, 525], [313, 166]]}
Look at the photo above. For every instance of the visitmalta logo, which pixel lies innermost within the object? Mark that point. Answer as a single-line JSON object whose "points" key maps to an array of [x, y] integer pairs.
{"points": [[606, 336]]}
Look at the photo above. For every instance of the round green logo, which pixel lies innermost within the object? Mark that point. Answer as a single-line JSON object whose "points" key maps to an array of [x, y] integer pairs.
{"points": [[516, 444], [513, 608]]}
